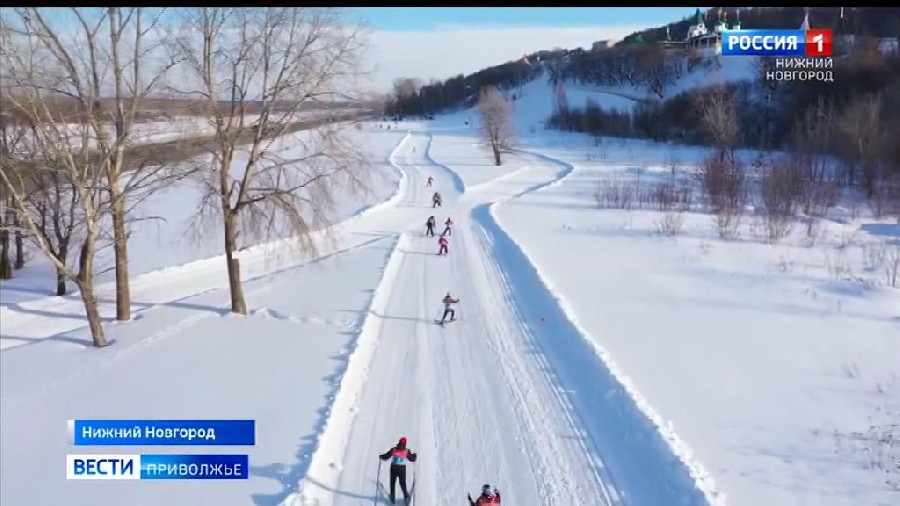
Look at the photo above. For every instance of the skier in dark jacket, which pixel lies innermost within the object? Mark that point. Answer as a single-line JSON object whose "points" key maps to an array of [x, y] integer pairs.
{"points": [[447, 225], [436, 200], [399, 456], [429, 226], [487, 497]]}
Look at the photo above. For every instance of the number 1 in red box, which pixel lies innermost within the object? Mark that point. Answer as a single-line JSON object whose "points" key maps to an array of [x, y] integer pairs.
{"points": [[818, 42]]}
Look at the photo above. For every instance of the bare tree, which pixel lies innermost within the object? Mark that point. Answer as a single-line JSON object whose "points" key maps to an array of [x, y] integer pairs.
{"points": [[561, 104], [719, 117], [277, 60], [64, 151], [655, 69], [496, 121], [863, 138], [108, 56], [12, 135]]}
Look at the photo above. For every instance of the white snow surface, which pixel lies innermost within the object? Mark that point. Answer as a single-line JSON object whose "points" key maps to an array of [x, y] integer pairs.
{"points": [[593, 363]]}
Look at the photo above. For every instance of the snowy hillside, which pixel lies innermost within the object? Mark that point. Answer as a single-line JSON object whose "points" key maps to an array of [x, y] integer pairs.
{"points": [[603, 353]]}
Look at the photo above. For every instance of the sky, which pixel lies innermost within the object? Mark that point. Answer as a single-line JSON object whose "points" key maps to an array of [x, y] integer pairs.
{"points": [[440, 42]]}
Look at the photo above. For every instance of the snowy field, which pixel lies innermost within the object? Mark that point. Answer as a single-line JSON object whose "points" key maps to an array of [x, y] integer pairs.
{"points": [[594, 362], [168, 241], [772, 371], [177, 127]]}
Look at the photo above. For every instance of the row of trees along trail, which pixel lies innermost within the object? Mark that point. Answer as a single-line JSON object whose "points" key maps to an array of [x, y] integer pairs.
{"points": [[78, 83]]}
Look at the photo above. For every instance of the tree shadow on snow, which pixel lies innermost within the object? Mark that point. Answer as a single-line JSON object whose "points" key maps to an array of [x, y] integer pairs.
{"points": [[289, 475]]}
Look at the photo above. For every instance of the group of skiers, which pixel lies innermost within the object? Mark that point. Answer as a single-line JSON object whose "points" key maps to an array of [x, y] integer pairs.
{"points": [[400, 454]]}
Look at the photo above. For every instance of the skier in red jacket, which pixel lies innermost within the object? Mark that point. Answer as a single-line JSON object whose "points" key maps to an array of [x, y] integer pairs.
{"points": [[443, 242], [399, 455], [487, 497]]}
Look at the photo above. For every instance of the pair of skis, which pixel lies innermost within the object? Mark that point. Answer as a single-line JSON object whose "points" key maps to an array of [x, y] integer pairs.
{"points": [[442, 323], [387, 497]]}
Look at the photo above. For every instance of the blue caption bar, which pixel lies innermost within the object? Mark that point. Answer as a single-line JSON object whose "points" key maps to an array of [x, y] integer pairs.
{"points": [[194, 467], [162, 432], [763, 43]]}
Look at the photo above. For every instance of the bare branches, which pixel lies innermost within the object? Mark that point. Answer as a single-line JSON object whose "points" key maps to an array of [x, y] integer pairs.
{"points": [[718, 114], [257, 69], [496, 125]]}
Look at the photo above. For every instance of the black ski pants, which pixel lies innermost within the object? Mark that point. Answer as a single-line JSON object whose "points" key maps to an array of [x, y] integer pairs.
{"points": [[398, 473], [429, 230], [442, 250], [448, 312]]}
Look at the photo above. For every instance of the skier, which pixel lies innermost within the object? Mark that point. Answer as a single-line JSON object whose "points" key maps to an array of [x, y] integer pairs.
{"points": [[399, 456], [486, 497], [447, 227], [430, 180], [448, 302], [442, 243], [436, 200], [429, 226]]}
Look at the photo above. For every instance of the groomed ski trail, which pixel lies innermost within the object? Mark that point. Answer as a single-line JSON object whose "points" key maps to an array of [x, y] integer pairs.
{"points": [[473, 397]]}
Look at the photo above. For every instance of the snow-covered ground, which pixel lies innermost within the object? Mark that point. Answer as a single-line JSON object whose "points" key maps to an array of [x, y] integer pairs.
{"points": [[167, 238], [776, 373], [593, 363], [177, 127]]}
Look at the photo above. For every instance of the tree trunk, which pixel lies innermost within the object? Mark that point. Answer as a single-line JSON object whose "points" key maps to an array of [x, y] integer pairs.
{"points": [[6, 271], [496, 151], [85, 282], [20, 244], [238, 304], [120, 246], [60, 282]]}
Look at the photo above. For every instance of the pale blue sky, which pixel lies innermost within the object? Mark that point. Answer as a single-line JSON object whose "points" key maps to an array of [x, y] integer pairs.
{"points": [[429, 18]]}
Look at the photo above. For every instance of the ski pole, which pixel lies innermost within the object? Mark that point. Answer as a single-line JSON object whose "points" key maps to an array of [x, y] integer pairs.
{"points": [[377, 477]]}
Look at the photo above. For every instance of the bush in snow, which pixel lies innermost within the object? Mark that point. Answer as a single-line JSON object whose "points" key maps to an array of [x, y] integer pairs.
{"points": [[671, 224], [777, 195], [724, 183]]}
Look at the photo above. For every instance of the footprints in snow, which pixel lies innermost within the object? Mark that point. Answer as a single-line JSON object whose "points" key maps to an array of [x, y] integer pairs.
{"points": [[273, 314]]}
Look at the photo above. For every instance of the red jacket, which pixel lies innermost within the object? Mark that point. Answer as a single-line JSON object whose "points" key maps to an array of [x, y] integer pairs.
{"points": [[448, 222], [442, 241], [485, 500]]}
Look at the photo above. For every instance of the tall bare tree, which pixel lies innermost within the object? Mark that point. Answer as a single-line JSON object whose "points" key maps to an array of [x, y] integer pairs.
{"points": [[108, 55], [61, 148], [256, 70], [718, 115], [863, 138], [496, 121]]}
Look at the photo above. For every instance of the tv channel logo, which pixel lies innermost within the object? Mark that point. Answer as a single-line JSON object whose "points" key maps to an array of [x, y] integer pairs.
{"points": [[797, 43], [103, 467]]}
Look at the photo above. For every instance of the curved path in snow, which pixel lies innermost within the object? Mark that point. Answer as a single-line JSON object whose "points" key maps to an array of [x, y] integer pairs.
{"points": [[509, 395]]}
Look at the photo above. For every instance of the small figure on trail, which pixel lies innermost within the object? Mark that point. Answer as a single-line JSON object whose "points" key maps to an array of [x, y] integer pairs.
{"points": [[487, 496], [443, 243], [430, 180], [448, 303], [436, 200], [447, 227], [399, 456], [429, 226]]}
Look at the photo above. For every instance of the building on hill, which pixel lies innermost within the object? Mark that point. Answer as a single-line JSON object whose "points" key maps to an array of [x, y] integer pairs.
{"points": [[708, 42]]}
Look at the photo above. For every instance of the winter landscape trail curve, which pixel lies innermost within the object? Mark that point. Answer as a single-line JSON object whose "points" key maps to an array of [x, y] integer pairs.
{"points": [[474, 398]]}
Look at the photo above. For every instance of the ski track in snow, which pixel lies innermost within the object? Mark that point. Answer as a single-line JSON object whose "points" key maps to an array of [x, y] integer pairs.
{"points": [[509, 395]]}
